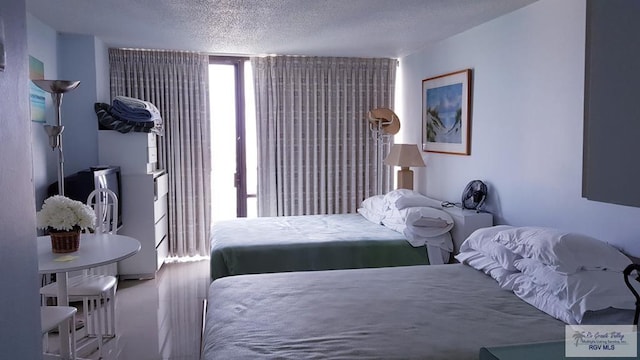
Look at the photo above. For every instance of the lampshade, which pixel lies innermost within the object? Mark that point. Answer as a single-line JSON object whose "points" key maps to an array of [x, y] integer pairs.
{"points": [[404, 155], [56, 86]]}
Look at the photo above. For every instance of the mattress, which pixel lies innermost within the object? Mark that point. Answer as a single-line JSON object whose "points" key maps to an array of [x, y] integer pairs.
{"points": [[413, 312], [312, 242]]}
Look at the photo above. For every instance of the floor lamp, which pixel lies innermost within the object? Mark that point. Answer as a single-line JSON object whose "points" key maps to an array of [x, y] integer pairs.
{"points": [[404, 155], [57, 88]]}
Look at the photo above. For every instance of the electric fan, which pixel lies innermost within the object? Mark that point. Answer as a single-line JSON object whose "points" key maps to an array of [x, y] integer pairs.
{"points": [[474, 195]]}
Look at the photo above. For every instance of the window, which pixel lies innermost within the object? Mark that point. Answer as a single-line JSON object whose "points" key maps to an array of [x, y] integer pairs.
{"points": [[233, 139]]}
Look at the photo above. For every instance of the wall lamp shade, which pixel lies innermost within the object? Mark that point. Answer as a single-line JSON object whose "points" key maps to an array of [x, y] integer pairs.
{"points": [[405, 156]]}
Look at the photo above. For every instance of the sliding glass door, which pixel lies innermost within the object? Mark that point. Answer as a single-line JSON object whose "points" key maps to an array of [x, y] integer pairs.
{"points": [[233, 138]]}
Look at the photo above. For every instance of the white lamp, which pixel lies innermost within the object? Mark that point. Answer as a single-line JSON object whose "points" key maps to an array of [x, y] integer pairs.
{"points": [[405, 155]]}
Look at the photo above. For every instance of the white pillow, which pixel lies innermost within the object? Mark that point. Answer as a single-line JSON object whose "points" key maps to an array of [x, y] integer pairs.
{"points": [[565, 252], [586, 290], [482, 240], [442, 241], [395, 224], [481, 262], [403, 198], [371, 216], [393, 215], [524, 288], [423, 231], [427, 217], [374, 204], [435, 221]]}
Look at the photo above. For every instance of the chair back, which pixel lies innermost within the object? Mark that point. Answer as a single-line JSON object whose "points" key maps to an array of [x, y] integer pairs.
{"points": [[105, 203]]}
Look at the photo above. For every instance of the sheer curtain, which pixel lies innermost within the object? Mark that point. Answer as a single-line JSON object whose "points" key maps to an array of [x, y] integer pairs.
{"points": [[177, 84], [316, 154]]}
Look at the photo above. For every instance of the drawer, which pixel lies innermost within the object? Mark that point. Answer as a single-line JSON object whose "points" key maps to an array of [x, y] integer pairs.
{"points": [[152, 167], [159, 209], [152, 140], [162, 252], [161, 230], [153, 155], [161, 186]]}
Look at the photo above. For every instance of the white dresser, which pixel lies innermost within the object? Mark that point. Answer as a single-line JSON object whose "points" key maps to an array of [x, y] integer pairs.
{"points": [[134, 152], [143, 197], [144, 217]]}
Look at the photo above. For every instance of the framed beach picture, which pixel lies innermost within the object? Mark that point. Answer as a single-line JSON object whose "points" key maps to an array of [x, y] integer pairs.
{"points": [[446, 113], [36, 95]]}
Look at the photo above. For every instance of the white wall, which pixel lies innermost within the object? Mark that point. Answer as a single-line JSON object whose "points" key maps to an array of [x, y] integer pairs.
{"points": [[68, 57], [19, 299], [42, 44], [77, 61], [527, 122]]}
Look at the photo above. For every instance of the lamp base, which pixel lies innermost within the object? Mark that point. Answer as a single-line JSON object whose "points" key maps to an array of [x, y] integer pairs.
{"points": [[405, 178]]}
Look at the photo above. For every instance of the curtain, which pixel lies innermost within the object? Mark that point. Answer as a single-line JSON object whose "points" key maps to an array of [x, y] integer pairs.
{"points": [[316, 154], [177, 84]]}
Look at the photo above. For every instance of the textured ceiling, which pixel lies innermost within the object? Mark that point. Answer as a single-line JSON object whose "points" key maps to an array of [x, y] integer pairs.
{"points": [[366, 28]]}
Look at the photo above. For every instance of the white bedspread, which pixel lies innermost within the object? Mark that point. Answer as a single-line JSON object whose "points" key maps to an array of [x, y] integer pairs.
{"points": [[415, 312]]}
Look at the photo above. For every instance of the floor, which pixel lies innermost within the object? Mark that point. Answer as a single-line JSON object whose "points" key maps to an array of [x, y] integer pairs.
{"points": [[160, 319]]}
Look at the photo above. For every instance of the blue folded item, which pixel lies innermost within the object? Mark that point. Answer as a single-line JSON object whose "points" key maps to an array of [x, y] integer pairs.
{"points": [[107, 120], [134, 109]]}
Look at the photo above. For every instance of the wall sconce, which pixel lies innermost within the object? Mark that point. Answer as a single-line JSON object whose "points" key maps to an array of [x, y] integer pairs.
{"points": [[56, 88], [404, 155]]}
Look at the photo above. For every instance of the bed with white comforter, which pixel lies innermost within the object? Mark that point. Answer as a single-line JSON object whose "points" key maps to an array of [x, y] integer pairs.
{"points": [[423, 312]]}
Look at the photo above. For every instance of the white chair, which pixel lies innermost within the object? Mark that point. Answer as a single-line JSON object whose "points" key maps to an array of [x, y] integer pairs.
{"points": [[105, 203], [51, 317], [96, 287]]}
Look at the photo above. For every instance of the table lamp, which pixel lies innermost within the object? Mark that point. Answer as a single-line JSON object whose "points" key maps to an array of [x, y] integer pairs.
{"points": [[404, 155]]}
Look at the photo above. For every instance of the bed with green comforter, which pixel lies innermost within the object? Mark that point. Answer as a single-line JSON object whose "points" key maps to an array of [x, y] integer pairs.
{"points": [[304, 243]]}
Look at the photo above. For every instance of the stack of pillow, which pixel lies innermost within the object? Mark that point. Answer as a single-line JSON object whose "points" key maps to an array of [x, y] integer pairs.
{"points": [[412, 214], [563, 274], [418, 218]]}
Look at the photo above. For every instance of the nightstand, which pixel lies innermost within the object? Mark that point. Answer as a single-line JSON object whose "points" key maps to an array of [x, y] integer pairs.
{"points": [[465, 222]]}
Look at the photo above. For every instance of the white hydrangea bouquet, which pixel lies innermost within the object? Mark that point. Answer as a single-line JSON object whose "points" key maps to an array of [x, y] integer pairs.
{"points": [[59, 213]]}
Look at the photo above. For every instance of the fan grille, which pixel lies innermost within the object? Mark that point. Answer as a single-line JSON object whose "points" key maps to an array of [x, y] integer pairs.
{"points": [[474, 195]]}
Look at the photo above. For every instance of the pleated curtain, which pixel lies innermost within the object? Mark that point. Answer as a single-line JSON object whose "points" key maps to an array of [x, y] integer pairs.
{"points": [[316, 153], [177, 84]]}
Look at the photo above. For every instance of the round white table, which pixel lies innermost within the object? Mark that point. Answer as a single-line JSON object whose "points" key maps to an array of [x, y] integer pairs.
{"points": [[95, 250]]}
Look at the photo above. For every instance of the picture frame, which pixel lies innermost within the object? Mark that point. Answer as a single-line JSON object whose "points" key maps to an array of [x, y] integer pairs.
{"points": [[36, 95], [446, 113]]}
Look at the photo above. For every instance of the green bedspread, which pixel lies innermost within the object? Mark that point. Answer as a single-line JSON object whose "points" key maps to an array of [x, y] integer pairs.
{"points": [[301, 243]]}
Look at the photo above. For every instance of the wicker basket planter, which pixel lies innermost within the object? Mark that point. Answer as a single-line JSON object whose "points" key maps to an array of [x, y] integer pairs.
{"points": [[65, 241]]}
